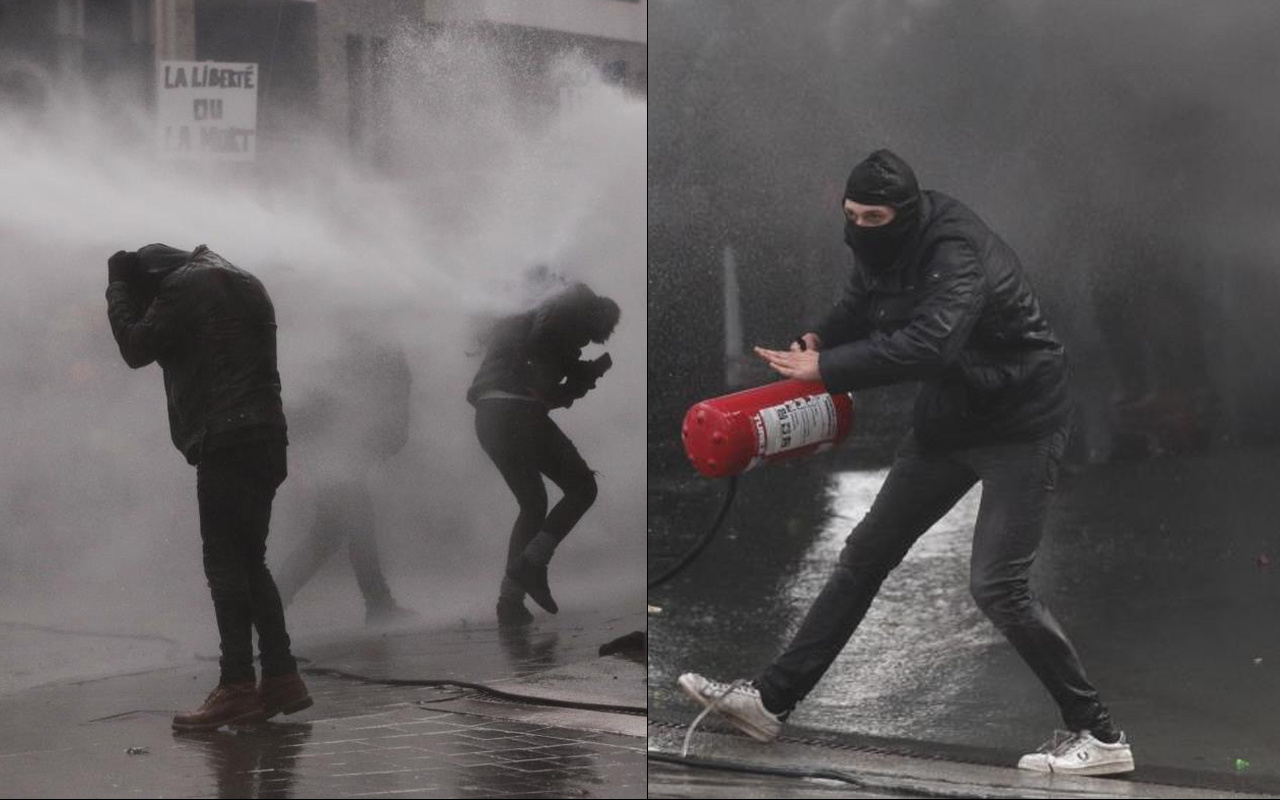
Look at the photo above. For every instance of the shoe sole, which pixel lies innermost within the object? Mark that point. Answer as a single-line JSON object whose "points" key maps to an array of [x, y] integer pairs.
{"points": [[1109, 768], [243, 719], [754, 731], [293, 708]]}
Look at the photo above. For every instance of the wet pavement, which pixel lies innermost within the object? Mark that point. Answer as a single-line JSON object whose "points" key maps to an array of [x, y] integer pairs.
{"points": [[1161, 571], [390, 718], [731, 766]]}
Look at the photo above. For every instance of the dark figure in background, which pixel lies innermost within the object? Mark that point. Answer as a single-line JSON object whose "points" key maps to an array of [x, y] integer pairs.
{"points": [[355, 423], [935, 296], [1163, 401], [533, 365], [212, 329]]}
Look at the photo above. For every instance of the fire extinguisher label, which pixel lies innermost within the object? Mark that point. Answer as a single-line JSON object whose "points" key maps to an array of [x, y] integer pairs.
{"points": [[796, 423]]}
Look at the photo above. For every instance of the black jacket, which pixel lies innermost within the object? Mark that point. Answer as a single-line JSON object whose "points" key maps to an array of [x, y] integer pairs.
{"points": [[212, 328], [956, 312], [537, 354]]}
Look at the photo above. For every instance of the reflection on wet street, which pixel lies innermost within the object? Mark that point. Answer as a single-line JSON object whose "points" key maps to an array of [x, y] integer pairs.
{"points": [[1161, 571], [395, 713], [251, 762], [924, 611]]}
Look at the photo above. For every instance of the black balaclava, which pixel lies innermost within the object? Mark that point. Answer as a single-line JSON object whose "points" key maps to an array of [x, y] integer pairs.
{"points": [[882, 179]]}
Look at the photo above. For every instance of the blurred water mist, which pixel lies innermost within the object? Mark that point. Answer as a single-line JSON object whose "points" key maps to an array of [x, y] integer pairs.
{"points": [[1125, 150], [98, 510]]}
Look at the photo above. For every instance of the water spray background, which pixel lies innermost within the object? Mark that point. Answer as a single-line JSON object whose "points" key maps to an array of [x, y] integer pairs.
{"points": [[98, 509], [1124, 150]]}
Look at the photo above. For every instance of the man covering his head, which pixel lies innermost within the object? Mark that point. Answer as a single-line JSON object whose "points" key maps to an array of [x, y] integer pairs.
{"points": [[212, 329], [533, 364]]}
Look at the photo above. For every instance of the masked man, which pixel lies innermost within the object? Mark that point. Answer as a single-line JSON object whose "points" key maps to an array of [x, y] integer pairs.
{"points": [[935, 296]]}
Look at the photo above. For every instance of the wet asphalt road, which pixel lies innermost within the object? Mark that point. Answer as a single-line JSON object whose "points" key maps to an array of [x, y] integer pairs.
{"points": [[1161, 571]]}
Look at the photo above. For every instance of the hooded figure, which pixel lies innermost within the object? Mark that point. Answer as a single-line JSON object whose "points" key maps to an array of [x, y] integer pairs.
{"points": [[537, 354], [212, 328], [935, 296], [351, 423], [532, 365], [882, 179]]}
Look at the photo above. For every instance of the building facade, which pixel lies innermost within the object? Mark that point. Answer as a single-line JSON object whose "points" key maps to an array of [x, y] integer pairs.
{"points": [[327, 67]]}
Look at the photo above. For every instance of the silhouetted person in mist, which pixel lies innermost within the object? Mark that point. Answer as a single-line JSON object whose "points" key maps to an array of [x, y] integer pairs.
{"points": [[533, 365], [1163, 395], [353, 425], [935, 296], [212, 329]]}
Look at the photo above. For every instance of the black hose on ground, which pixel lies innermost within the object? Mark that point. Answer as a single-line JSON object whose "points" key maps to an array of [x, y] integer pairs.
{"points": [[450, 683], [702, 543], [453, 683]]}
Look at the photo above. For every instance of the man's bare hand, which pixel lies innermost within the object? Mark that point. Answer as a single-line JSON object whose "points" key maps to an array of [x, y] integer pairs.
{"points": [[800, 364]]}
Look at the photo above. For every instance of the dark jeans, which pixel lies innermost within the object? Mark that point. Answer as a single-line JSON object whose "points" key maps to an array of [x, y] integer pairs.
{"points": [[920, 489], [525, 445], [344, 514], [236, 485]]}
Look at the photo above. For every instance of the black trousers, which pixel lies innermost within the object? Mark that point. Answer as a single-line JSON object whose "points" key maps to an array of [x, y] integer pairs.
{"points": [[344, 514], [920, 489], [523, 442], [236, 486]]}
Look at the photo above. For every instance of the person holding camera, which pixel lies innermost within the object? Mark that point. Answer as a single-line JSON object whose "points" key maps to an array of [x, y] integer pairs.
{"points": [[532, 365], [212, 328]]}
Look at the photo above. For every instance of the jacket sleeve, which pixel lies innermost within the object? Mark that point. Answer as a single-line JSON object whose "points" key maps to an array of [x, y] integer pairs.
{"points": [[578, 383], [847, 319], [549, 359], [560, 380], [143, 337], [930, 341]]}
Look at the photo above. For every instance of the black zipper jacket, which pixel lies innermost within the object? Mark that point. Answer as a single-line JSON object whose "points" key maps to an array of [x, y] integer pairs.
{"points": [[955, 312]]}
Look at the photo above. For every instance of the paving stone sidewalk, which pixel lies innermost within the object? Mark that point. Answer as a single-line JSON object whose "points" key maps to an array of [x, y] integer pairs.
{"points": [[111, 737]]}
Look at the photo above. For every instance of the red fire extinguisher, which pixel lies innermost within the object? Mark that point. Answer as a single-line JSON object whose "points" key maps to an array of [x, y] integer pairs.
{"points": [[731, 434]]}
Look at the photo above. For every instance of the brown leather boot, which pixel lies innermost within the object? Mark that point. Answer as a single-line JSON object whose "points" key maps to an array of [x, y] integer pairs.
{"points": [[228, 704], [284, 694]]}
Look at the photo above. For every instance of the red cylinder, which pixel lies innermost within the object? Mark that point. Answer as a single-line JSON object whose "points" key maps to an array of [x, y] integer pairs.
{"points": [[787, 419]]}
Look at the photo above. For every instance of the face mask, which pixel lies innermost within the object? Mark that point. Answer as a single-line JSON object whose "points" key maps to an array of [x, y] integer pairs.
{"points": [[879, 247], [882, 178]]}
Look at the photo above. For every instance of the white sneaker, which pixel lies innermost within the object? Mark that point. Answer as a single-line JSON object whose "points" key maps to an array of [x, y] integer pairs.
{"points": [[739, 702], [1079, 754]]}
